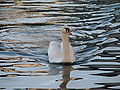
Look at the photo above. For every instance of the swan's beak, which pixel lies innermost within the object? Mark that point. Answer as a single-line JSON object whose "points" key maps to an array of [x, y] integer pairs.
{"points": [[69, 33]]}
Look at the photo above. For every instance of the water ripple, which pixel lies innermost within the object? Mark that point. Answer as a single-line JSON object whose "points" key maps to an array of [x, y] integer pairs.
{"points": [[27, 27]]}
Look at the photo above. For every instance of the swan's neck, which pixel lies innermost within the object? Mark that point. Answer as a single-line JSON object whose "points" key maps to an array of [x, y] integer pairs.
{"points": [[66, 48]]}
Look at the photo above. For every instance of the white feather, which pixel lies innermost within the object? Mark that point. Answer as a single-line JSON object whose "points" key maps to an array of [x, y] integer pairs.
{"points": [[54, 52]]}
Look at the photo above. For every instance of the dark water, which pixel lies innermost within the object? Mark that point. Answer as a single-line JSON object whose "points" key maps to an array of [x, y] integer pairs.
{"points": [[27, 27]]}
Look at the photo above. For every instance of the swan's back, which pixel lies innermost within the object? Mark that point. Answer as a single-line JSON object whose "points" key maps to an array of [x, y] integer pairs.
{"points": [[54, 52]]}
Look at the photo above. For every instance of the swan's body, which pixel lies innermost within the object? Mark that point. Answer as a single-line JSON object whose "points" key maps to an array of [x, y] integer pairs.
{"points": [[61, 52]]}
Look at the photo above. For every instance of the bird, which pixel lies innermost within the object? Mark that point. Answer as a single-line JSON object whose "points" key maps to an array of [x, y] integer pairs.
{"points": [[61, 52]]}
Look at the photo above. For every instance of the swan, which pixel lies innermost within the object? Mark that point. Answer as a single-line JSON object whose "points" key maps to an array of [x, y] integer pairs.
{"points": [[61, 52]]}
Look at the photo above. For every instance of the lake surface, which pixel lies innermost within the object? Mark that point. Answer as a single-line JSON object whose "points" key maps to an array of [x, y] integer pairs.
{"points": [[28, 26]]}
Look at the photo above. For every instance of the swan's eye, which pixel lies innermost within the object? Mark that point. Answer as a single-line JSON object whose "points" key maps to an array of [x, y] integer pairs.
{"points": [[67, 30]]}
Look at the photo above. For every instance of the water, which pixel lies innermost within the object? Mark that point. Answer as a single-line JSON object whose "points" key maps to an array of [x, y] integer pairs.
{"points": [[27, 27]]}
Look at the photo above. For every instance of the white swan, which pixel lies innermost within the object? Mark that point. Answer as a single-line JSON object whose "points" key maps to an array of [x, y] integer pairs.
{"points": [[61, 52]]}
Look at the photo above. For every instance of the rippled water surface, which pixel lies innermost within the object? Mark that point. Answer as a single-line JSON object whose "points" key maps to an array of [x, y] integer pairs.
{"points": [[27, 27]]}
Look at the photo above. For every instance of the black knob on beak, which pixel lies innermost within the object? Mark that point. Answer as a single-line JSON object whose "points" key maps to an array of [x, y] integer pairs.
{"points": [[67, 30]]}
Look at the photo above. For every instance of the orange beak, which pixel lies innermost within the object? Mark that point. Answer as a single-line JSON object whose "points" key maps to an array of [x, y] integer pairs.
{"points": [[69, 33]]}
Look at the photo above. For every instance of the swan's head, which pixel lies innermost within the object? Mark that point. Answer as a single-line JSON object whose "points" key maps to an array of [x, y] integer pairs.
{"points": [[66, 30]]}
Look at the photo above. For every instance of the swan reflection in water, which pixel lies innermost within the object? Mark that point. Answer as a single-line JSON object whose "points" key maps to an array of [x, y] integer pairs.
{"points": [[65, 76], [65, 70]]}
